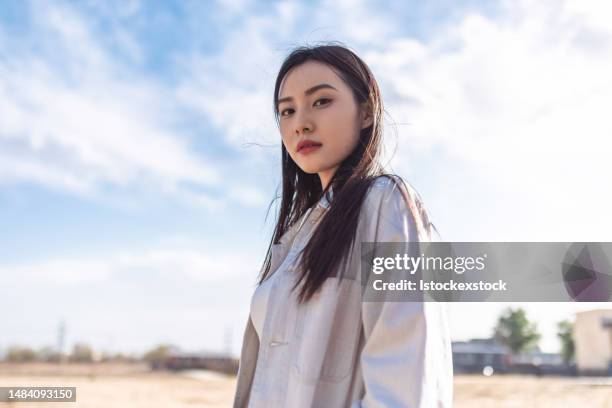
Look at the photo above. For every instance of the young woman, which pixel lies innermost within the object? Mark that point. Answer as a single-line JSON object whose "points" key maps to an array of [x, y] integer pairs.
{"points": [[310, 341]]}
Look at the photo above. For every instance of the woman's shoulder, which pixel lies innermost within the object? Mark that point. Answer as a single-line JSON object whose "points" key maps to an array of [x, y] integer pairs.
{"points": [[392, 199], [391, 188]]}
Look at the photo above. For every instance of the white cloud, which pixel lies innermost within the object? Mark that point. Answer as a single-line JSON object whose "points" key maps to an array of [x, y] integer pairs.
{"points": [[248, 194], [59, 271], [519, 103], [197, 264], [75, 119], [233, 89], [79, 119]]}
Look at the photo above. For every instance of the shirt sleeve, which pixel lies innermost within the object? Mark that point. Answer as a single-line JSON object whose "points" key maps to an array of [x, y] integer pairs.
{"points": [[406, 360]]}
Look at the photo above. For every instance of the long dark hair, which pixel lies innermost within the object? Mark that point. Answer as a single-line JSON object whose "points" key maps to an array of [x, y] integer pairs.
{"points": [[335, 233]]}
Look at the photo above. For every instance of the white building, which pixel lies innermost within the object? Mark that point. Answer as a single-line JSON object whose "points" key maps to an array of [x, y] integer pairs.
{"points": [[593, 341]]}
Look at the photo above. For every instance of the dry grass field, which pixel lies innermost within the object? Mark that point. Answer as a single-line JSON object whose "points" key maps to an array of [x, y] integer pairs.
{"points": [[116, 385]]}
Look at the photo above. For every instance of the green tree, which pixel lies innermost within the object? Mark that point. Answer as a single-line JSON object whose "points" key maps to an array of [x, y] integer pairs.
{"points": [[515, 331], [565, 332]]}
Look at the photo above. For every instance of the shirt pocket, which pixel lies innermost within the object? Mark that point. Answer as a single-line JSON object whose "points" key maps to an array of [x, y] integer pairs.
{"points": [[327, 332], [281, 253]]}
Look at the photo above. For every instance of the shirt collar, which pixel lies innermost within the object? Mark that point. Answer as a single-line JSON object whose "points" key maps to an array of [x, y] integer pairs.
{"points": [[325, 200]]}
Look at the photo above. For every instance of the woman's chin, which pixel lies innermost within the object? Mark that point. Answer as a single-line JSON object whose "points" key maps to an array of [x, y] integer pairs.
{"points": [[310, 169]]}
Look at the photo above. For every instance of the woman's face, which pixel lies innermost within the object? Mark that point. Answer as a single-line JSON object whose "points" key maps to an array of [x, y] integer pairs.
{"points": [[315, 104]]}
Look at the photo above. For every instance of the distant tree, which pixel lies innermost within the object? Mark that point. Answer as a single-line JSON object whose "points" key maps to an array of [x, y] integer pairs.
{"points": [[565, 332], [48, 354], [516, 332], [157, 354], [19, 354], [81, 353], [117, 357]]}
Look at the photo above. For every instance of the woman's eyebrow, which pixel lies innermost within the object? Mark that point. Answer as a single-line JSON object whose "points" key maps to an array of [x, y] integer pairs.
{"points": [[306, 92]]}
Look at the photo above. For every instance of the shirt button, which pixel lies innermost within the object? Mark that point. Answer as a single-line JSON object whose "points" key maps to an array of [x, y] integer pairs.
{"points": [[275, 343]]}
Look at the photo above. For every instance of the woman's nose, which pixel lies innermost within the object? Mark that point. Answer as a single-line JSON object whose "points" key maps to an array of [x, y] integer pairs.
{"points": [[304, 125]]}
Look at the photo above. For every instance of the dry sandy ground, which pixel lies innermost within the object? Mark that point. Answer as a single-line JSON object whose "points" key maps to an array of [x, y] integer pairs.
{"points": [[111, 386], [114, 386], [528, 391]]}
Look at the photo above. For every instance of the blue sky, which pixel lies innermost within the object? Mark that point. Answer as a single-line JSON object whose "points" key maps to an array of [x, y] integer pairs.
{"points": [[138, 150]]}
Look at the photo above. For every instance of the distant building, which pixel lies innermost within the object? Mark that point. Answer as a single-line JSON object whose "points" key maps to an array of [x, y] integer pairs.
{"points": [[537, 357], [488, 356], [178, 360], [593, 341], [539, 363], [475, 355]]}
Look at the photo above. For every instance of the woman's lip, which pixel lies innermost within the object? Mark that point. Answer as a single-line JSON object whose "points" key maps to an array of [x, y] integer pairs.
{"points": [[308, 149], [307, 143]]}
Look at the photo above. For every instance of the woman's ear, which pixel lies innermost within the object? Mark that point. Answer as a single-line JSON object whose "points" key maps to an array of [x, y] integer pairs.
{"points": [[366, 114]]}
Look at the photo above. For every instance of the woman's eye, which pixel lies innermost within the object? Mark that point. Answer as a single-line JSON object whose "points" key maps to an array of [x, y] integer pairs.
{"points": [[323, 99], [326, 100]]}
